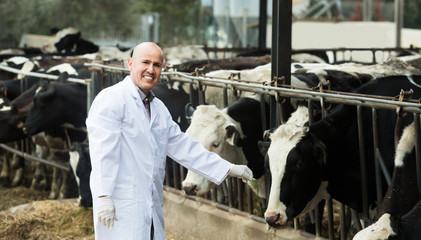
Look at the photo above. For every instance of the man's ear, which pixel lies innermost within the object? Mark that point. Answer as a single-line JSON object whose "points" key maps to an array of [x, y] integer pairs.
{"points": [[129, 63]]}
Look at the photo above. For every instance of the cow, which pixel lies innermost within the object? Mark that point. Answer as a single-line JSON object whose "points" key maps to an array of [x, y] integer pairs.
{"points": [[314, 162], [68, 41], [400, 209], [56, 104], [312, 76], [209, 65], [13, 88], [307, 75], [12, 117], [18, 62], [232, 133], [178, 54]]}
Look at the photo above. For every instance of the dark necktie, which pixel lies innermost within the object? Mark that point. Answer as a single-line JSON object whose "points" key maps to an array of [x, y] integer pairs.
{"points": [[147, 104]]}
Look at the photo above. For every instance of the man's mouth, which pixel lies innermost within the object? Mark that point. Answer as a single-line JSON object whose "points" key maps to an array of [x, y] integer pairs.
{"points": [[148, 77]]}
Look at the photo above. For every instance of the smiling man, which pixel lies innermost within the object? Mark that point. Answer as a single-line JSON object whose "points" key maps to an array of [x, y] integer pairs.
{"points": [[130, 134]]}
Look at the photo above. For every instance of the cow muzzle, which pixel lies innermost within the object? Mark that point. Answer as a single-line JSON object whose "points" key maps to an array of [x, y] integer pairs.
{"points": [[275, 220], [190, 190]]}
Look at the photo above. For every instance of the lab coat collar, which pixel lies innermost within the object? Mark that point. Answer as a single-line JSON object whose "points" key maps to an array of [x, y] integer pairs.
{"points": [[136, 96]]}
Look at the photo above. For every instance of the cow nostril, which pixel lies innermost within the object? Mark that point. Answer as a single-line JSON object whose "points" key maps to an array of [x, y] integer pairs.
{"points": [[273, 220], [190, 190]]}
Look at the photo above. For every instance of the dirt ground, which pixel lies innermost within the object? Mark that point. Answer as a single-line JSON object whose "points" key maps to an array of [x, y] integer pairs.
{"points": [[40, 218]]}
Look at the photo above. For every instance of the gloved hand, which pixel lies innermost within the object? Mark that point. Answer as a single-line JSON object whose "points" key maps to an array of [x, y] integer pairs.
{"points": [[241, 171], [106, 211]]}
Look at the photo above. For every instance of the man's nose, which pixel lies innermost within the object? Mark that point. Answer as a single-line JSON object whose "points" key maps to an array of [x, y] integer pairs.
{"points": [[150, 68]]}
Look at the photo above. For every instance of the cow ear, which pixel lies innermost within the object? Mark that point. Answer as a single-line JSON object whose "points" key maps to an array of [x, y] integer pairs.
{"points": [[49, 92], [267, 133], [189, 110], [62, 77], [233, 136]]}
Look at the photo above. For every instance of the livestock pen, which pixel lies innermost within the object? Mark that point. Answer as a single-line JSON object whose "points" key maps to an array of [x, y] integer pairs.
{"points": [[238, 199]]}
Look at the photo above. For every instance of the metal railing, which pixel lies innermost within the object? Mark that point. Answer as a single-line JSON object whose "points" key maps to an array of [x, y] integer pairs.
{"points": [[101, 73]]}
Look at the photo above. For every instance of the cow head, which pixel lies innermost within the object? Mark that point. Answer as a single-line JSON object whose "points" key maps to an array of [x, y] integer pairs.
{"points": [[10, 122], [218, 133], [44, 94], [297, 161]]}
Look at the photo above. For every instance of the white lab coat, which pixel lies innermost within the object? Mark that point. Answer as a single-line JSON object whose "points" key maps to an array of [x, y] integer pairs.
{"points": [[128, 152]]}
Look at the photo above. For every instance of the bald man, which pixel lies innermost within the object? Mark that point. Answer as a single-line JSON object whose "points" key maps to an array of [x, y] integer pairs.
{"points": [[130, 134]]}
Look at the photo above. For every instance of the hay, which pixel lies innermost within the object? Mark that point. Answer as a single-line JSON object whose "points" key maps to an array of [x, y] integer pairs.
{"points": [[43, 219], [47, 219]]}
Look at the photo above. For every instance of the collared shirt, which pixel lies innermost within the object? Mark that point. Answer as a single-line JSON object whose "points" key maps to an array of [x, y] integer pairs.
{"points": [[147, 99]]}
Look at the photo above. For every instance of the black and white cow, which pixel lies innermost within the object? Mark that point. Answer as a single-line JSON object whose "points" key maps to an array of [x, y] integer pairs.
{"points": [[56, 104], [303, 75], [341, 77], [209, 65], [232, 133], [18, 62], [400, 209], [68, 41], [12, 117], [13, 88], [308, 164]]}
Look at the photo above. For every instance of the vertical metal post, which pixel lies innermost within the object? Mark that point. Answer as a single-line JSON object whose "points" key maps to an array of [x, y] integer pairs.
{"points": [[376, 155], [262, 24], [244, 27], [342, 220], [156, 27], [317, 212], [367, 10], [418, 150], [362, 163], [330, 218], [240, 191], [281, 47], [281, 54], [398, 21]]}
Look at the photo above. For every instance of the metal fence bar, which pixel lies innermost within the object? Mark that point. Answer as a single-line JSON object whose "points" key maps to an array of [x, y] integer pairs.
{"points": [[42, 75], [32, 158], [287, 91]]}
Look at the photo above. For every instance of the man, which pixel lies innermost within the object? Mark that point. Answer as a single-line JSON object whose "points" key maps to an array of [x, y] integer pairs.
{"points": [[130, 134]]}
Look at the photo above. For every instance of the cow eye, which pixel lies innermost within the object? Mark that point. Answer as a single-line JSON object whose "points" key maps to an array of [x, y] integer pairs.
{"points": [[299, 164], [214, 145]]}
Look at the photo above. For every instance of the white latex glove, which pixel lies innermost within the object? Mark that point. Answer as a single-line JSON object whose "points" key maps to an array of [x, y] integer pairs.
{"points": [[106, 211], [241, 171]]}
